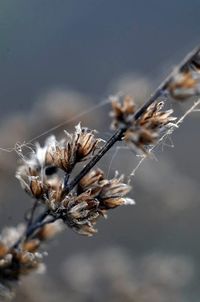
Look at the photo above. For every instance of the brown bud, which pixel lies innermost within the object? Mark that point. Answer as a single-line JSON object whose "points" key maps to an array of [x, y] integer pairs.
{"points": [[121, 112], [31, 245], [182, 86], [36, 187]]}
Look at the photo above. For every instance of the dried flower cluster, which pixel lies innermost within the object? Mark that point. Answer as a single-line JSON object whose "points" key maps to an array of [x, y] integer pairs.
{"points": [[95, 196], [63, 154], [79, 201], [143, 132], [79, 209], [15, 263]]}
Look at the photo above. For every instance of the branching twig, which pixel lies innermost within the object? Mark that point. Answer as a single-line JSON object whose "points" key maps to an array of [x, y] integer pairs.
{"points": [[119, 133], [117, 136], [95, 194]]}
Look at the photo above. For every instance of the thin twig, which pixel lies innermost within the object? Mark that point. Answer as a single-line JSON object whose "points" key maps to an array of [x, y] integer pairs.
{"points": [[32, 212], [30, 229], [119, 133], [117, 136], [38, 225], [162, 88]]}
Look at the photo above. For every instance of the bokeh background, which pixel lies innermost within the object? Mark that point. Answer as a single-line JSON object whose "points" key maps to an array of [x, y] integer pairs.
{"points": [[59, 59]]}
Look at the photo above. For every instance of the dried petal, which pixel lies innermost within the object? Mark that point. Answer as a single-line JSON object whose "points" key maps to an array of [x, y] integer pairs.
{"points": [[122, 111]]}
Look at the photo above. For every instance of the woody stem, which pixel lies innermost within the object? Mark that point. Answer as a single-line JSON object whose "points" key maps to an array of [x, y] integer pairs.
{"points": [[117, 136]]}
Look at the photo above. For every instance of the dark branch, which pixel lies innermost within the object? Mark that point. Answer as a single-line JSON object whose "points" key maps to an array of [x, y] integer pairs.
{"points": [[33, 226], [119, 133]]}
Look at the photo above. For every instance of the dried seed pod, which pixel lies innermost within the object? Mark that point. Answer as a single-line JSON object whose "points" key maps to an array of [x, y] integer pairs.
{"points": [[183, 85], [30, 180], [85, 142], [122, 111], [60, 154], [56, 192], [91, 179], [113, 193], [144, 131], [140, 139], [81, 213], [75, 148]]}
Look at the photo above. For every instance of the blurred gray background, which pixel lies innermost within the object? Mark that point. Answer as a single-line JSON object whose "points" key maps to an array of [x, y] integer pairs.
{"points": [[60, 58]]}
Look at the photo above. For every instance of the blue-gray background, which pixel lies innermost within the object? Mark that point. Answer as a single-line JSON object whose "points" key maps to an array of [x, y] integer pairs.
{"points": [[85, 47]]}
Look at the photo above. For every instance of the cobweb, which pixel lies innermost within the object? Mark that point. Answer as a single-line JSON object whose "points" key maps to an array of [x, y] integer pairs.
{"points": [[166, 139], [19, 147]]}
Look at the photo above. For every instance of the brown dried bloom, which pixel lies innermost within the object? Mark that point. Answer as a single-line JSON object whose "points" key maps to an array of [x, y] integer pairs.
{"points": [[183, 85], [17, 262], [96, 196], [80, 208], [145, 130], [30, 174], [80, 201], [32, 184], [75, 148], [121, 111], [63, 154], [186, 82], [82, 213], [55, 193]]}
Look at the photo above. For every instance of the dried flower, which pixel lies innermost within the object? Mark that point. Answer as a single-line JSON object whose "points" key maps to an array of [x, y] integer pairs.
{"points": [[113, 193], [91, 180], [17, 262], [81, 213], [183, 85], [79, 202], [96, 195], [31, 180], [122, 111], [145, 130], [75, 148]]}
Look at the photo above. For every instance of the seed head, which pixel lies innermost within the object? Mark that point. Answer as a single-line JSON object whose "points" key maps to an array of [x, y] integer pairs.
{"points": [[122, 111], [184, 85], [73, 149], [144, 131], [96, 196]]}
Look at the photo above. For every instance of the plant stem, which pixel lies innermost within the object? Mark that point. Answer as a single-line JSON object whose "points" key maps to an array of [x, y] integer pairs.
{"points": [[117, 136], [31, 228], [163, 86], [119, 133], [113, 139], [32, 212], [38, 225]]}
